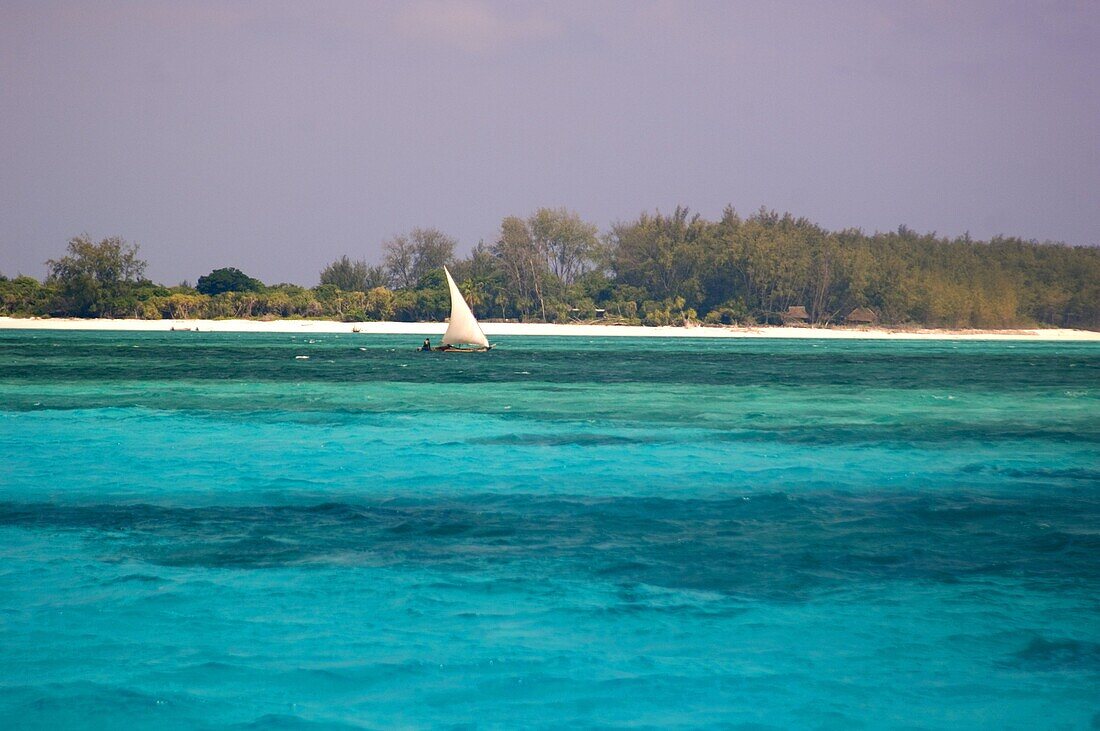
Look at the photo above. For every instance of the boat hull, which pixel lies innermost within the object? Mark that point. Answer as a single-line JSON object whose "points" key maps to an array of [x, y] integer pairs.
{"points": [[455, 349]]}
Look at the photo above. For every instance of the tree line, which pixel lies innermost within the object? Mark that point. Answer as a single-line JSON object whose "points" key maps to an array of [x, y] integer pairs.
{"points": [[657, 269]]}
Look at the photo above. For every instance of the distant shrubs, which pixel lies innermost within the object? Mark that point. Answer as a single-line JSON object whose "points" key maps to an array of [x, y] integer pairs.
{"points": [[657, 269], [730, 313]]}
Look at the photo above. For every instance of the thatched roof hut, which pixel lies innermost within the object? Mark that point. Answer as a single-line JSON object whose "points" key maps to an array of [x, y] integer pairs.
{"points": [[795, 315], [862, 316]]}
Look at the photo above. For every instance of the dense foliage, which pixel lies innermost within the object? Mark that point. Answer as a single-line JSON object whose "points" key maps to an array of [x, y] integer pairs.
{"points": [[354, 276], [95, 280], [657, 269], [227, 279]]}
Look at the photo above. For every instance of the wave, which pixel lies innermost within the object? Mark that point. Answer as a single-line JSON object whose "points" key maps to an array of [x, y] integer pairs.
{"points": [[779, 545], [1056, 655]]}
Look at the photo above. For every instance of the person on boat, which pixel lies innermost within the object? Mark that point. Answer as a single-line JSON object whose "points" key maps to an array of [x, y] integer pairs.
{"points": [[427, 346]]}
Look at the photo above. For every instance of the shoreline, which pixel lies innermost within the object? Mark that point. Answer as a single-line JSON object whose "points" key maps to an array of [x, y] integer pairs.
{"points": [[435, 329]]}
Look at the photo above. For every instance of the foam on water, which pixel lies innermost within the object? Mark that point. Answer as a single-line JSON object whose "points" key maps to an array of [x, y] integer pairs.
{"points": [[208, 531]]}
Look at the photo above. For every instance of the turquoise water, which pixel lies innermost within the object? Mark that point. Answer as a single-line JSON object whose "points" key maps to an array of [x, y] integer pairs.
{"points": [[210, 531]]}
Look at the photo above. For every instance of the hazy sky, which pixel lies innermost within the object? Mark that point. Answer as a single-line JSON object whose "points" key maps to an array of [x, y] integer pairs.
{"points": [[277, 136]]}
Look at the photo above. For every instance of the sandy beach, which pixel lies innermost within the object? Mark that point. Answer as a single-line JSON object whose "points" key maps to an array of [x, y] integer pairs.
{"points": [[538, 329]]}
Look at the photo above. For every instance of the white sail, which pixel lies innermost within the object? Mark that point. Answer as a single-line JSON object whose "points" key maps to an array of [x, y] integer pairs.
{"points": [[463, 328]]}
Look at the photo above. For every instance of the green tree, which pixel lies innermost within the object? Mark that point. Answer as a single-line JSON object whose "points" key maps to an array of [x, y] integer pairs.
{"points": [[479, 275], [93, 277], [523, 264], [24, 296], [380, 304], [666, 255], [227, 279], [567, 242], [411, 257], [354, 276]]}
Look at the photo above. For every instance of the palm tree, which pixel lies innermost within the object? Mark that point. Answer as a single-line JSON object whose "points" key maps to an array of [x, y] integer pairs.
{"points": [[474, 292]]}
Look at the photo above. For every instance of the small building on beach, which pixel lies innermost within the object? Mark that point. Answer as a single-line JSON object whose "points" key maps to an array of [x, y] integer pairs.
{"points": [[796, 315], [861, 316]]}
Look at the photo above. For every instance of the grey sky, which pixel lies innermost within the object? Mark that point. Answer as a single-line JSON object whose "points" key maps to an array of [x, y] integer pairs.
{"points": [[277, 136]]}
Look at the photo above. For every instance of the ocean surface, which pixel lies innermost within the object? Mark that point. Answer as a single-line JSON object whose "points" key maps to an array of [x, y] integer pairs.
{"points": [[203, 530]]}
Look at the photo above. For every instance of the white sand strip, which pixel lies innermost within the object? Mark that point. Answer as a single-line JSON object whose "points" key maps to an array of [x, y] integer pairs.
{"points": [[434, 330]]}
